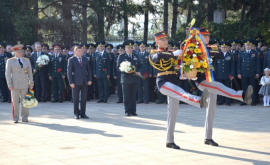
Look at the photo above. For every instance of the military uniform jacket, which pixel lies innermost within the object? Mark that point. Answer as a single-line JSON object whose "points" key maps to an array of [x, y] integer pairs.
{"points": [[225, 67], [55, 64], [17, 77], [127, 78], [116, 71], [161, 80], [215, 54], [3, 61], [248, 64], [235, 56], [102, 65], [266, 60], [66, 60], [146, 66]]}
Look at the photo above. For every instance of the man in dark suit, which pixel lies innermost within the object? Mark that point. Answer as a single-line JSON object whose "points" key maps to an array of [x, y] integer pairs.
{"points": [[79, 76], [129, 80], [4, 56], [40, 78]]}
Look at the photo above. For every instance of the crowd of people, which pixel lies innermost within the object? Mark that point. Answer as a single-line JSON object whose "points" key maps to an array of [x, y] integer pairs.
{"points": [[236, 70]]}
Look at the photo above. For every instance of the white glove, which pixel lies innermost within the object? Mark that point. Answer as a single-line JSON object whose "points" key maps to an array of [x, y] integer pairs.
{"points": [[177, 52]]}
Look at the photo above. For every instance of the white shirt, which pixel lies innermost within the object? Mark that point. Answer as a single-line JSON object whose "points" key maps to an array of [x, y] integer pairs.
{"points": [[56, 55], [79, 59], [225, 54], [38, 54], [248, 51], [20, 59], [143, 53], [101, 53], [265, 80]]}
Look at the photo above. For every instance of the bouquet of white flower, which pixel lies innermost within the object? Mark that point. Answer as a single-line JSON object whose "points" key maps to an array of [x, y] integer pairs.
{"points": [[127, 67], [30, 101], [42, 60]]}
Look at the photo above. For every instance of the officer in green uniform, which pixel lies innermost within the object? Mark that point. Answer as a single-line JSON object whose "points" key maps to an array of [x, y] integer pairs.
{"points": [[225, 70], [102, 71], [248, 68], [109, 48], [117, 74], [146, 71], [66, 56], [57, 73]]}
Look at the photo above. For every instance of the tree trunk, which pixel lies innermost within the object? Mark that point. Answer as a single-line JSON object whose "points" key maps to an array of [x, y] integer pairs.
{"points": [[84, 22], [189, 16], [67, 34], [210, 13], [35, 28], [101, 35], [174, 19], [125, 20], [243, 13], [165, 16], [146, 19]]}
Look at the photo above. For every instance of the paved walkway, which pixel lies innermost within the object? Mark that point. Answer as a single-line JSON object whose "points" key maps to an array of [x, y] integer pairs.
{"points": [[53, 137]]}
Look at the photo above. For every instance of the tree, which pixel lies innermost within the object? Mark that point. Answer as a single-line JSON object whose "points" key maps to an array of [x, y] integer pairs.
{"points": [[165, 19]]}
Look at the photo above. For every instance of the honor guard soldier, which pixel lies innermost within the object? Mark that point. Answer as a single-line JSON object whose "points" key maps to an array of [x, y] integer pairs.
{"points": [[19, 78], [4, 56], [40, 74], [102, 71], [225, 70], [57, 73], [28, 50], [117, 74], [248, 68], [94, 86], [66, 56], [129, 80], [146, 71], [109, 48]]}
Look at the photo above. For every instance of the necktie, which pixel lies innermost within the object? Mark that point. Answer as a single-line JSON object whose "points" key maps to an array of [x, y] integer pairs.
{"points": [[80, 61], [20, 63]]}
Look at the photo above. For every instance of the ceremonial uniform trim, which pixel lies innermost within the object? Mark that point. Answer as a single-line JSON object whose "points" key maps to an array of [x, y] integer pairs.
{"points": [[179, 94], [209, 86]]}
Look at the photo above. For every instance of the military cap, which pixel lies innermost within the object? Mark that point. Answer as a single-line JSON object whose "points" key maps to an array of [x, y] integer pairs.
{"points": [[65, 48], [151, 46], [109, 46], [240, 42], [101, 43], [45, 46], [91, 46], [264, 44], [204, 31], [260, 37], [18, 48], [176, 45], [224, 43], [57, 46], [160, 35], [136, 42], [143, 43], [28, 48], [255, 42], [120, 47], [248, 41], [170, 43], [128, 42], [75, 44], [233, 42], [84, 45], [215, 40], [2, 45], [261, 41], [210, 42]]}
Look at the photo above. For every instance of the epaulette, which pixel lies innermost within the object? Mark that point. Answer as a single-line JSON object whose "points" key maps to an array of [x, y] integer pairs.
{"points": [[25, 58], [154, 51], [166, 53]]}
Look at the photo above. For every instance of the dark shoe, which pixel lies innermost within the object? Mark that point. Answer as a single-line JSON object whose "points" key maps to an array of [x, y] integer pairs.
{"points": [[127, 114], [203, 102], [160, 102], [242, 104], [133, 114], [105, 101], [253, 104], [220, 103], [25, 121], [88, 99], [119, 101], [16, 121], [228, 104], [100, 101], [4, 101], [247, 95], [172, 145], [54, 101], [210, 142], [138, 102], [146, 102], [77, 116], [44, 101], [9, 101], [84, 116], [60, 101]]}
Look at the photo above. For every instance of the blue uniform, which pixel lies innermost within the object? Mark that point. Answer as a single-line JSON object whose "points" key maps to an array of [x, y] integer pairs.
{"points": [[3, 83], [129, 82], [143, 85], [248, 66], [102, 69], [117, 73], [224, 69], [56, 64]]}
